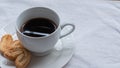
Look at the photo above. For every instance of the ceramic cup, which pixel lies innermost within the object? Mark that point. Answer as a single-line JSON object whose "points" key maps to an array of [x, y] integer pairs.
{"points": [[40, 45]]}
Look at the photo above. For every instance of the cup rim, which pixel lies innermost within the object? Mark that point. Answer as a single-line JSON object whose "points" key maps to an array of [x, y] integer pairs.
{"points": [[18, 30]]}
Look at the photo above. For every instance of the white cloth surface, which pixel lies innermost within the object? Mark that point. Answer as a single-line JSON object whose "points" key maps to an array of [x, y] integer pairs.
{"points": [[97, 34]]}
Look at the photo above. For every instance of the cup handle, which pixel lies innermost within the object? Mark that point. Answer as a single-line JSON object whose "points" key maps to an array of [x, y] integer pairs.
{"points": [[63, 26]]}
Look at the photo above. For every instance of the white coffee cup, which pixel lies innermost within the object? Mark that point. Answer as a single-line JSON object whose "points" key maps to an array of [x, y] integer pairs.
{"points": [[40, 45]]}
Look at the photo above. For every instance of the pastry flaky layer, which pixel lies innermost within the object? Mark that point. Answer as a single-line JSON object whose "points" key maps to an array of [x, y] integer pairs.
{"points": [[14, 51]]}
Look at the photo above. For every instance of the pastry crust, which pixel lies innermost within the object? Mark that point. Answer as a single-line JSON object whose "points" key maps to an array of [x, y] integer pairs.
{"points": [[23, 60], [14, 50], [6, 42]]}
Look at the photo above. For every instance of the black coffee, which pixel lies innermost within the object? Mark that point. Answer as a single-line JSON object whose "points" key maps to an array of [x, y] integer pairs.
{"points": [[38, 27]]}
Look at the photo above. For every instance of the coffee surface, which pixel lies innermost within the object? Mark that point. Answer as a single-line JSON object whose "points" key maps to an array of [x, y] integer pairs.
{"points": [[38, 27]]}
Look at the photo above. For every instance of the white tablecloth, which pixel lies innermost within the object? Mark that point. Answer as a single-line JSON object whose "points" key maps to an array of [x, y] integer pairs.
{"points": [[97, 34]]}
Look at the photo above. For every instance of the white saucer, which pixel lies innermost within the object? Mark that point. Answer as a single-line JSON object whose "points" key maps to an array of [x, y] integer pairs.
{"points": [[59, 56]]}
